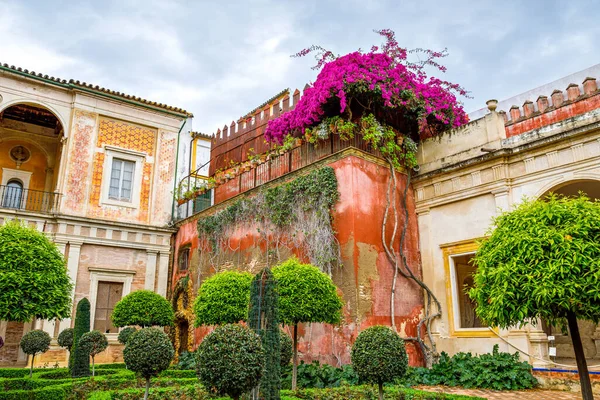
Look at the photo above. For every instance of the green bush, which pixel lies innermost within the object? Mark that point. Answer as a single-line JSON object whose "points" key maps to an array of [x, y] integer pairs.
{"points": [[148, 352], [93, 342], [79, 363], [498, 371], [223, 299], [125, 334], [65, 339], [112, 366], [13, 372], [143, 308], [316, 375], [186, 361], [287, 350], [35, 342], [231, 360], [378, 356]]}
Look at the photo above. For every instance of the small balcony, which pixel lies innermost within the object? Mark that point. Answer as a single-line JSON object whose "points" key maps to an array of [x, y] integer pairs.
{"points": [[14, 197]]}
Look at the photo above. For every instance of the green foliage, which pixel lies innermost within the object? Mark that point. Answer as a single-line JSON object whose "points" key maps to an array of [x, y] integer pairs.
{"points": [[35, 342], [378, 355], [368, 393], [143, 308], [542, 259], [498, 371], [65, 338], [231, 360], [125, 334], [223, 299], [316, 375], [263, 318], [287, 349], [306, 294], [33, 276], [300, 208], [93, 342], [401, 153], [148, 352], [79, 362], [186, 361]]}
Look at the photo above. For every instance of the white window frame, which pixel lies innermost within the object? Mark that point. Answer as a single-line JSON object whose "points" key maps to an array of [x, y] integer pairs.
{"points": [[138, 158], [107, 275], [456, 296]]}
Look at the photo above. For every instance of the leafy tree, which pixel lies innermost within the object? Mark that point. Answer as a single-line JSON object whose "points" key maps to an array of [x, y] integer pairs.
{"points": [[541, 260], [305, 295], [231, 360], [93, 342], [148, 352], [35, 342], [65, 340], [223, 299], [143, 308], [33, 276], [378, 356], [125, 334], [79, 363], [263, 318], [287, 349]]}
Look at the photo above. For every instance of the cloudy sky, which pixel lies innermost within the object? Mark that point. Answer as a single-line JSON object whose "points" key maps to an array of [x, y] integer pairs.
{"points": [[220, 59]]}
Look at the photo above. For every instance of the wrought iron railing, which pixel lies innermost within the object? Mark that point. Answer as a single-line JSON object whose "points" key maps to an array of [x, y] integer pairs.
{"points": [[17, 198]]}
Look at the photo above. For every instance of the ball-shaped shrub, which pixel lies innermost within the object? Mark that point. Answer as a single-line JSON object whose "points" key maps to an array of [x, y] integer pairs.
{"points": [[125, 334], [35, 342], [65, 338], [379, 356], [148, 352], [143, 308], [223, 299], [287, 350], [231, 360], [93, 342]]}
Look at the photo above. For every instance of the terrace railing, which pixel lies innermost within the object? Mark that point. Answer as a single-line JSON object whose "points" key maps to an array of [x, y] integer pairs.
{"points": [[17, 198]]}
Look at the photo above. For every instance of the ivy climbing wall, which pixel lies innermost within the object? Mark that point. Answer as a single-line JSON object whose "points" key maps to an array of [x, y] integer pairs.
{"points": [[364, 276]]}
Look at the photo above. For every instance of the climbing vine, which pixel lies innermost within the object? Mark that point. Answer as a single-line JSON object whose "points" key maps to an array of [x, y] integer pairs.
{"points": [[294, 214], [181, 301]]}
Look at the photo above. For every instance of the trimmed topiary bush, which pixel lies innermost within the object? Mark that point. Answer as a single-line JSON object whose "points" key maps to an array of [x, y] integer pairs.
{"points": [[287, 350], [35, 342], [231, 360], [378, 356], [143, 308], [93, 342], [125, 334], [223, 299], [65, 340], [79, 362], [148, 352]]}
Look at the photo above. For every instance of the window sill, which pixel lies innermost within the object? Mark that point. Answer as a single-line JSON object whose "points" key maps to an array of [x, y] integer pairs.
{"points": [[119, 203], [475, 332]]}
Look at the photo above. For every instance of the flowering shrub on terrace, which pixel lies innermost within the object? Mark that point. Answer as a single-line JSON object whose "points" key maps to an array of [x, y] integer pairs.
{"points": [[382, 82]]}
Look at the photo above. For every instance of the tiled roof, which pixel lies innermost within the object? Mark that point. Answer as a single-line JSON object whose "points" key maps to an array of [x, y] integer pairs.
{"points": [[201, 135], [74, 84]]}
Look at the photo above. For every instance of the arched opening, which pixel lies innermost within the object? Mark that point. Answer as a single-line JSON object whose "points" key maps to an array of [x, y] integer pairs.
{"points": [[590, 332], [30, 151]]}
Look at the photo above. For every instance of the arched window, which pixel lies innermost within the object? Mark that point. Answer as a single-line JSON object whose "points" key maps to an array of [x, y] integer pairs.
{"points": [[13, 194]]}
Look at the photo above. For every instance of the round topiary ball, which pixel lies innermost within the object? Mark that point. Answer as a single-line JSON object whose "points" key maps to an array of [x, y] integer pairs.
{"points": [[65, 339], [287, 349], [143, 308], [34, 342], [230, 360], [378, 356], [125, 334], [148, 352]]}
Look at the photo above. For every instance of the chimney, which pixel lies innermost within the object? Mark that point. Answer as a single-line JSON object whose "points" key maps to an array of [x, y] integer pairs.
{"points": [[557, 98], [515, 113], [542, 103], [572, 91], [589, 85], [528, 108]]}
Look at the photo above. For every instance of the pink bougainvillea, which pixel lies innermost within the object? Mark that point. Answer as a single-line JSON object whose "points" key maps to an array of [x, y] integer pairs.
{"points": [[386, 80]]}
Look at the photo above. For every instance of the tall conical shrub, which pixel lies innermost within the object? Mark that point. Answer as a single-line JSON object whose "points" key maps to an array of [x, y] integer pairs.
{"points": [[263, 318], [80, 358]]}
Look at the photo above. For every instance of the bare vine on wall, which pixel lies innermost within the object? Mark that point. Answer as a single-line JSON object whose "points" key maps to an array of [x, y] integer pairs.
{"points": [[295, 214]]}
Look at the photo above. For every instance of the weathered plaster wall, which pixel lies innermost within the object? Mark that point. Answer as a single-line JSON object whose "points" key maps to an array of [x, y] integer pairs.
{"points": [[364, 279]]}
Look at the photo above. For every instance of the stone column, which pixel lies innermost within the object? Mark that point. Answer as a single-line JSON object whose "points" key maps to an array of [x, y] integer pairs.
{"points": [[72, 269], [163, 270], [150, 269], [538, 345]]}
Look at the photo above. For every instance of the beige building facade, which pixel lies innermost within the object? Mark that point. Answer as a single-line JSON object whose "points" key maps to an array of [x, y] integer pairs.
{"points": [[95, 170]]}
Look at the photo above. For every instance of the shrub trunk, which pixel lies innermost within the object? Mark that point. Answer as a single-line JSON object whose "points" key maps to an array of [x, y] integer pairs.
{"points": [[584, 375]]}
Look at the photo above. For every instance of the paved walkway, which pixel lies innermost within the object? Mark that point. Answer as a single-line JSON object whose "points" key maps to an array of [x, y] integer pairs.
{"points": [[507, 395]]}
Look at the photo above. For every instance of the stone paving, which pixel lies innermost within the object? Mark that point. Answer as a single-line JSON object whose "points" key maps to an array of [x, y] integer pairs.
{"points": [[508, 395]]}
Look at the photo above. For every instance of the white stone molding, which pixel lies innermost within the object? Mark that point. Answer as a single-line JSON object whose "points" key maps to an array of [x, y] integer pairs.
{"points": [[552, 157], [150, 269], [529, 165], [163, 271], [476, 178], [578, 152], [138, 158]]}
